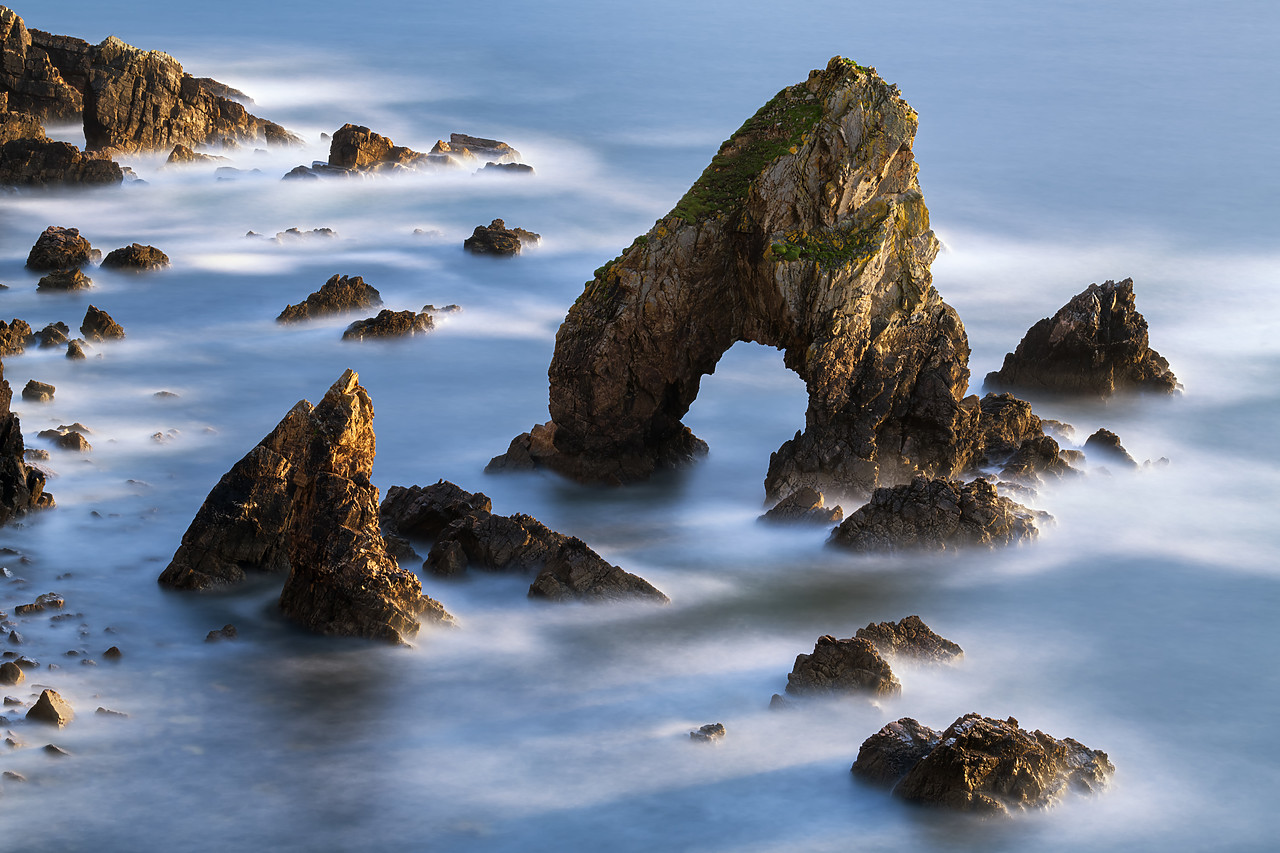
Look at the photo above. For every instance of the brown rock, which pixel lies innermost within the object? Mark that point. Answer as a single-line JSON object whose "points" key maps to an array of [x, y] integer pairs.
{"points": [[359, 148], [52, 709], [181, 155], [910, 638], [11, 673], [52, 335], [338, 295], [113, 653], [390, 324], [935, 515], [842, 666], [39, 161], [66, 439], [64, 280], [61, 249], [16, 125], [804, 506], [576, 573], [1096, 345], [890, 753], [425, 511], [98, 326], [709, 733], [1105, 445], [28, 76], [75, 350], [1035, 459], [136, 257], [498, 239], [14, 337], [37, 392], [484, 150]]}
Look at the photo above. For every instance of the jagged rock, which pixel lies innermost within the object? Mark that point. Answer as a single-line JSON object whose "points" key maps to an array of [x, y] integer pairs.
{"points": [[55, 750], [64, 280], [1105, 445], [75, 350], [1036, 457], [576, 573], [35, 454], [399, 548], [359, 148], [709, 733], [447, 309], [38, 161], [505, 169], [16, 125], [980, 764], [805, 506], [98, 326], [11, 674], [1096, 345], [910, 638], [497, 543], [52, 709], [38, 392], [136, 257], [890, 753], [807, 233], [446, 154], [483, 149], [61, 249], [842, 666], [181, 155], [936, 515], [14, 337], [28, 77], [337, 295], [498, 239], [390, 324], [425, 511], [66, 439], [52, 335], [1005, 422]]}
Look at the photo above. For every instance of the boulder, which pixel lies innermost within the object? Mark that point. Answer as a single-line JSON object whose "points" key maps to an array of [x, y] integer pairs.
{"points": [[338, 295], [359, 148], [1035, 460], [390, 324], [935, 514], [842, 666], [14, 337], [66, 439], [98, 326], [498, 239], [52, 335], [75, 350], [60, 248], [64, 280], [808, 233], [38, 392], [226, 632], [980, 764], [136, 257], [21, 486], [1104, 445], [52, 709], [11, 674], [1095, 346], [803, 506], [910, 638], [498, 543], [425, 511]]}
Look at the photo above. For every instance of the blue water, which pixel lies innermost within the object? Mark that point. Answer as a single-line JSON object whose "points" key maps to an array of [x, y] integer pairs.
{"points": [[1057, 147]]}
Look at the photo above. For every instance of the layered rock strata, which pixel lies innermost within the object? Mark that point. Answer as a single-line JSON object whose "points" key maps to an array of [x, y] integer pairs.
{"points": [[980, 764], [1096, 345]]}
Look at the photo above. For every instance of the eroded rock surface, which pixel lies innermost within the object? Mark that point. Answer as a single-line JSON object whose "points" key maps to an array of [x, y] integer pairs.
{"points": [[60, 248], [574, 572], [390, 324], [14, 336], [497, 239], [38, 161], [136, 257], [99, 326], [338, 295], [910, 638], [51, 709], [980, 764], [1096, 345], [935, 515], [842, 666], [425, 511]]}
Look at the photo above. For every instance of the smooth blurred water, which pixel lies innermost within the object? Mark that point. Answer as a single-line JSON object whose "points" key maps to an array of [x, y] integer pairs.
{"points": [[1057, 147]]}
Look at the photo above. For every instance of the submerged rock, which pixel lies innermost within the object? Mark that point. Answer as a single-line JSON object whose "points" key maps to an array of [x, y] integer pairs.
{"points": [[1105, 446], [98, 326], [390, 324], [980, 764], [1096, 345], [338, 295], [498, 239], [136, 257], [842, 666], [60, 248], [935, 515], [804, 506], [709, 733], [910, 638], [52, 709]]}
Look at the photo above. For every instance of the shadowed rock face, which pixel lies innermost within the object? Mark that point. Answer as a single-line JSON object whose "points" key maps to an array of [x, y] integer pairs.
{"points": [[1096, 345], [807, 233], [910, 638], [21, 487]]}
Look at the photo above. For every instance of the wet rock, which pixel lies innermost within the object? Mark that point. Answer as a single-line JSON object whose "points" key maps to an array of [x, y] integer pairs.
{"points": [[14, 337], [498, 239], [39, 161], [1096, 345], [75, 350], [1105, 446], [447, 309], [709, 733], [808, 233], [226, 632], [981, 764], [804, 506], [181, 155], [910, 638], [52, 335], [13, 701], [359, 148], [60, 248], [52, 709], [136, 257], [30, 80], [64, 280], [390, 324], [935, 515], [1004, 423], [11, 673], [574, 572], [498, 543], [37, 392], [338, 295], [890, 753], [425, 511], [505, 169], [98, 326], [842, 666], [300, 173], [1035, 460]]}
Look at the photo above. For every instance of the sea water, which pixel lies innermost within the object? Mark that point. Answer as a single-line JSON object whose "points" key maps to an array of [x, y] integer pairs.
{"points": [[1058, 146]]}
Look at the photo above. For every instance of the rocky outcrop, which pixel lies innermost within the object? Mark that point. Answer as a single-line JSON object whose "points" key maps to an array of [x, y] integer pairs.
{"points": [[505, 169], [52, 335], [39, 161], [338, 295], [65, 438], [484, 150], [136, 257], [98, 326], [935, 514], [60, 248], [1096, 345], [21, 487], [14, 337], [29, 78], [51, 709], [980, 764], [842, 666], [390, 324], [63, 281], [574, 572], [910, 638], [425, 511], [498, 239], [11, 674], [37, 392], [17, 125], [804, 506], [75, 350], [710, 733], [181, 155], [358, 148], [807, 233], [1104, 446]]}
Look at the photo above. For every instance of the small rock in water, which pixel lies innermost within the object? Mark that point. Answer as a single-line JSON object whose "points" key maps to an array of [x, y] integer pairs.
{"points": [[910, 638], [61, 249], [136, 257], [10, 776], [498, 239], [1105, 445], [337, 295], [52, 335], [113, 653], [805, 505], [842, 666], [98, 326], [11, 674], [227, 632], [107, 712], [55, 750], [389, 324], [67, 439], [52, 709], [38, 392], [709, 733], [75, 350], [64, 280]]}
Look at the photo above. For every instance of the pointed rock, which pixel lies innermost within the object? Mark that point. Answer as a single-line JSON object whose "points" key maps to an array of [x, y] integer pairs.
{"points": [[910, 638], [842, 666], [98, 326], [52, 709]]}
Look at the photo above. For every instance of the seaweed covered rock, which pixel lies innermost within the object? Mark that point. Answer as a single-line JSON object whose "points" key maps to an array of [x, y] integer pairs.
{"points": [[1096, 345], [136, 257], [390, 324], [980, 764], [803, 506], [339, 295], [935, 514], [60, 248], [21, 487], [910, 638], [99, 326], [497, 239], [808, 233], [842, 666]]}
